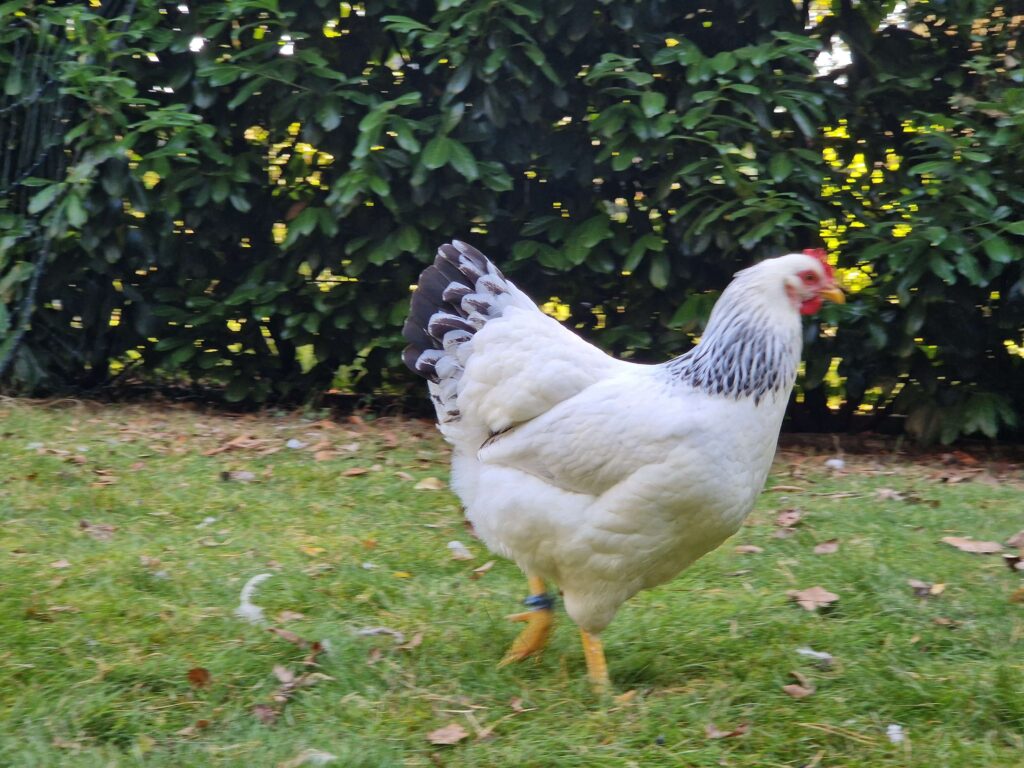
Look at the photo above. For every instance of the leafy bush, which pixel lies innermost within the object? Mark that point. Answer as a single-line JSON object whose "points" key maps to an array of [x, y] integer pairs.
{"points": [[256, 185]]}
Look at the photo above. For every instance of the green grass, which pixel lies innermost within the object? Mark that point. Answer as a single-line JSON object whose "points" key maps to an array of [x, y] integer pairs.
{"points": [[98, 636]]}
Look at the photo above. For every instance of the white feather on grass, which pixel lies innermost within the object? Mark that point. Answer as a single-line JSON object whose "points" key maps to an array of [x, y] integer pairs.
{"points": [[246, 608]]}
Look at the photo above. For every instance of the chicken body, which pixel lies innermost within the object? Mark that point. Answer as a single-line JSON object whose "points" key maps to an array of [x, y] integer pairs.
{"points": [[604, 476]]}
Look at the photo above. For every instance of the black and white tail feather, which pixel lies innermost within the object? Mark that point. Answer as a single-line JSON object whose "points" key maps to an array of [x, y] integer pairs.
{"points": [[453, 300]]}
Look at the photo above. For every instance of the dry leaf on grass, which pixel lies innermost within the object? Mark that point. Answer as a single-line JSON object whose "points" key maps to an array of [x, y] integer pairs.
{"points": [[429, 484], [289, 636], [265, 713], [239, 443], [1016, 541], [284, 616], [199, 677], [414, 642], [324, 455], [712, 731], [802, 688], [926, 588], [354, 472], [1017, 596], [967, 544], [829, 547], [812, 598], [788, 518], [192, 730], [748, 549], [478, 572], [60, 564], [103, 477], [452, 733], [98, 531], [62, 743]]}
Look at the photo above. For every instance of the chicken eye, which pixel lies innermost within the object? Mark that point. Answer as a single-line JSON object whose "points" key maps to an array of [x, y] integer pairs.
{"points": [[810, 277]]}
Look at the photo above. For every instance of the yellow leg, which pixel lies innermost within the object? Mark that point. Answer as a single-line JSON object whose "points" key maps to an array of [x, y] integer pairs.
{"points": [[597, 667], [538, 620]]}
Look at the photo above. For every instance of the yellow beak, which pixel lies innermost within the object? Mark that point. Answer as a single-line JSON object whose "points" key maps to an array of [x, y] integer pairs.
{"points": [[833, 293]]}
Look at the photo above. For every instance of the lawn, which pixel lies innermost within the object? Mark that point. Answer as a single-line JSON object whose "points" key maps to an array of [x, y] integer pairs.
{"points": [[127, 534]]}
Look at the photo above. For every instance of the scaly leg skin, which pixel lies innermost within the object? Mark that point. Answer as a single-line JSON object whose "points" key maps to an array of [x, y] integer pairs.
{"points": [[538, 620], [597, 668]]}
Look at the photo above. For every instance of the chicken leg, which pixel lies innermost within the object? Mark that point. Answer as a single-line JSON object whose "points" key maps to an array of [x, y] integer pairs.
{"points": [[597, 667], [538, 620]]}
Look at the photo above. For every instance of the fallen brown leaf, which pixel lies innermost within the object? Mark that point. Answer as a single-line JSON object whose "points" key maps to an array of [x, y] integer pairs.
{"points": [[192, 730], [284, 616], [60, 564], [62, 743], [748, 549], [1017, 596], [788, 518], [199, 677], [429, 484], [926, 588], [289, 636], [354, 471], [324, 455], [98, 531], [712, 731], [452, 733], [478, 572], [802, 688], [414, 642], [812, 598], [239, 443], [829, 547], [967, 544], [1016, 541], [265, 713]]}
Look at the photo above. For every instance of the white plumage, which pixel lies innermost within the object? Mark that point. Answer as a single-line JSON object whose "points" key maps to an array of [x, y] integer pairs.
{"points": [[605, 476]]}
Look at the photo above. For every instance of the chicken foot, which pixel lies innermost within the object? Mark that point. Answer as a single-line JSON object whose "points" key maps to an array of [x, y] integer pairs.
{"points": [[538, 618]]}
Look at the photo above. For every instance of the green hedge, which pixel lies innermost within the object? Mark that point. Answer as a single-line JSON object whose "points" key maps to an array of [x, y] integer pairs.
{"points": [[252, 213]]}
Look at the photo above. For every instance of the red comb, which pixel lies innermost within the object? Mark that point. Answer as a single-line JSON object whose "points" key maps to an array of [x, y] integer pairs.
{"points": [[821, 255]]}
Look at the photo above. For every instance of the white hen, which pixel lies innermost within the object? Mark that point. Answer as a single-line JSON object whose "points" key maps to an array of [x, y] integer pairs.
{"points": [[605, 476]]}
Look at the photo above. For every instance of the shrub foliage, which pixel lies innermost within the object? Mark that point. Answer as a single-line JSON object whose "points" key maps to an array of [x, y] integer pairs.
{"points": [[254, 185]]}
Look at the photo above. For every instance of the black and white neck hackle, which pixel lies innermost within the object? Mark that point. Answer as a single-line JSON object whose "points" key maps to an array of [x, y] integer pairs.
{"points": [[744, 352]]}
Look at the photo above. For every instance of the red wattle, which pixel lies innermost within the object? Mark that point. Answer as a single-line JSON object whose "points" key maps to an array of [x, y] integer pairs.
{"points": [[810, 306]]}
